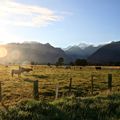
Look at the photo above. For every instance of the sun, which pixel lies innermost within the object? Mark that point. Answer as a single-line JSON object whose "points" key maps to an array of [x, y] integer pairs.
{"points": [[3, 52]]}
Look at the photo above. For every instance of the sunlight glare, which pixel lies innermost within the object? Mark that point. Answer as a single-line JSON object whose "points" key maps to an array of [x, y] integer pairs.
{"points": [[15, 55], [3, 52]]}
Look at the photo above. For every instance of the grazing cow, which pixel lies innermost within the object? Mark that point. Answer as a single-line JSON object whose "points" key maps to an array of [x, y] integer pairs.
{"points": [[80, 67], [25, 69], [98, 68], [16, 72], [20, 70]]}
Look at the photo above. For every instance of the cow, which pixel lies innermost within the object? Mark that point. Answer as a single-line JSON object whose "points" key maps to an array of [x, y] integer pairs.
{"points": [[20, 70], [25, 69], [98, 68]]}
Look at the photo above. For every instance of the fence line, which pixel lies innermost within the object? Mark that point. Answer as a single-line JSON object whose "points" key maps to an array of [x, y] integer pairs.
{"points": [[69, 86]]}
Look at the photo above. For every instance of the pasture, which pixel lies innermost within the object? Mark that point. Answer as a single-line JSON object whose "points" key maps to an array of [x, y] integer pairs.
{"points": [[15, 88]]}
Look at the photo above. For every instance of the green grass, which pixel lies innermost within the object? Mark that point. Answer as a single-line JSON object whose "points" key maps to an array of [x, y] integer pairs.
{"points": [[70, 108]]}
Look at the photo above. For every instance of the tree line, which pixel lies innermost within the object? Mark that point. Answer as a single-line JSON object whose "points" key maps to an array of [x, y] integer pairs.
{"points": [[77, 62], [61, 61]]}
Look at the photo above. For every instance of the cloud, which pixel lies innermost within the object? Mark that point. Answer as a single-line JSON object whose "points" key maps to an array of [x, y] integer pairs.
{"points": [[17, 14]]}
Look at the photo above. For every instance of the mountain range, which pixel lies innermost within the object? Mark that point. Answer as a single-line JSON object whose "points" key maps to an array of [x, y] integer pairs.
{"points": [[46, 53], [82, 51]]}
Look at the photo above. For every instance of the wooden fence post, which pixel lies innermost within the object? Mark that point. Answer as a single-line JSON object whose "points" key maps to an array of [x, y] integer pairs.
{"points": [[92, 77], [57, 90], [110, 82], [70, 86], [35, 90], [0, 92]]}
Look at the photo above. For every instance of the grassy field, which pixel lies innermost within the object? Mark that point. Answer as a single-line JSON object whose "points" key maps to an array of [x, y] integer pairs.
{"points": [[15, 88]]}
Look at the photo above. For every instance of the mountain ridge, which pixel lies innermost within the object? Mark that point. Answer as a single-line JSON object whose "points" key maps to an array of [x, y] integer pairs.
{"points": [[33, 52], [82, 52], [109, 53], [39, 53]]}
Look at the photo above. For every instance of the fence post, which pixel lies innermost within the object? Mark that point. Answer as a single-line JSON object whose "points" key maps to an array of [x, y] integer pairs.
{"points": [[35, 87], [35, 90], [92, 77], [70, 85], [0, 92], [110, 82], [57, 90]]}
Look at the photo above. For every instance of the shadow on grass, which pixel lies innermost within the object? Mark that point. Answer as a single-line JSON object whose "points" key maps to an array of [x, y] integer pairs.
{"points": [[77, 90], [48, 93], [40, 76]]}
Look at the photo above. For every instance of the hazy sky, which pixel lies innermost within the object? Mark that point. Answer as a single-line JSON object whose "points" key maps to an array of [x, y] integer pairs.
{"points": [[60, 22]]}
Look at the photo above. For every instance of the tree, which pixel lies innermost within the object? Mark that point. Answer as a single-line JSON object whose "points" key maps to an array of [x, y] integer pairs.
{"points": [[81, 62], [49, 64], [60, 61], [32, 63]]}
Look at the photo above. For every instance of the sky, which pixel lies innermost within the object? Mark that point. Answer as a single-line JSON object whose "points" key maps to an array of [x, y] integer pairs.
{"points": [[60, 22]]}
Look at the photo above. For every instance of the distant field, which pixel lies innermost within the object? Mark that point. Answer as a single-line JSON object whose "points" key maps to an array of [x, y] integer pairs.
{"points": [[15, 88]]}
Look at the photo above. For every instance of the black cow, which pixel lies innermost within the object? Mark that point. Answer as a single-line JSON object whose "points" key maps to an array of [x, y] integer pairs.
{"points": [[98, 68]]}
